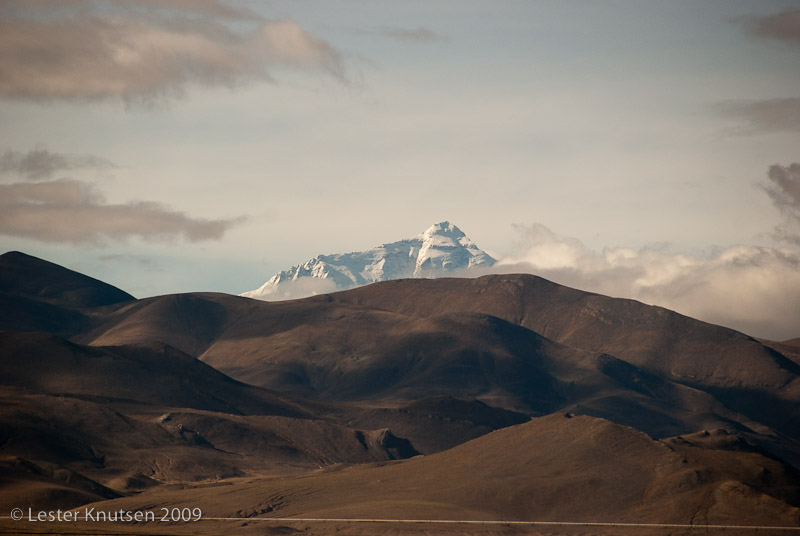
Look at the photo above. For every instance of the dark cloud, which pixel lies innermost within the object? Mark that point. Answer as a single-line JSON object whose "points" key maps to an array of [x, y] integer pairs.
{"points": [[783, 26], [762, 116], [783, 189], [40, 163], [145, 51], [75, 212]]}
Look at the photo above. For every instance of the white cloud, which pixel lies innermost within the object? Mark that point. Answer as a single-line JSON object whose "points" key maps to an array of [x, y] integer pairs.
{"points": [[295, 289], [752, 289]]}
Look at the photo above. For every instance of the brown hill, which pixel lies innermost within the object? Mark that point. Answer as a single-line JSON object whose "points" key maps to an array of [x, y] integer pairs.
{"points": [[437, 423], [396, 342], [661, 341], [793, 342], [131, 402], [746, 375], [153, 373], [134, 416], [24, 275], [188, 322], [37, 295], [130, 448], [46, 486], [349, 352], [550, 469]]}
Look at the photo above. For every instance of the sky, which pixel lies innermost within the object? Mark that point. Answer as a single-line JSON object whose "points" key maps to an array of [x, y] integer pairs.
{"points": [[648, 150]]}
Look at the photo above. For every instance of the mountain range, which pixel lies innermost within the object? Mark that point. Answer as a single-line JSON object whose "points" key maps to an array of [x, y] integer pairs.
{"points": [[443, 249], [503, 397]]}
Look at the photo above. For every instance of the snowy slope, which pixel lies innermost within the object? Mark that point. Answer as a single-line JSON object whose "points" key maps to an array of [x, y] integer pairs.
{"points": [[439, 251]]}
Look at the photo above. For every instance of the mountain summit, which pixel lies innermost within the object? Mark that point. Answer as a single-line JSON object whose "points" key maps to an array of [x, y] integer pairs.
{"points": [[439, 251]]}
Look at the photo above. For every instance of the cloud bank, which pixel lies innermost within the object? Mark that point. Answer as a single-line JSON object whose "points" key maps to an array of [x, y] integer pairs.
{"points": [[752, 289], [144, 51], [40, 163], [74, 211]]}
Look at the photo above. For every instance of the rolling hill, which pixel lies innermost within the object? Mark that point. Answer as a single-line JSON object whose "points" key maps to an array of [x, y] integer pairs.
{"points": [[526, 398], [554, 468]]}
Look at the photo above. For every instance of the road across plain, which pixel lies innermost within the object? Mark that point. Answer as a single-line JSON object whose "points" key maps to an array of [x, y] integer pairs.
{"points": [[505, 522]]}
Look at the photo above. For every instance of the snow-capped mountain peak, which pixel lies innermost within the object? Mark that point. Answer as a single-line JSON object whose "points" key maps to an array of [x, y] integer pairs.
{"points": [[446, 248], [439, 251]]}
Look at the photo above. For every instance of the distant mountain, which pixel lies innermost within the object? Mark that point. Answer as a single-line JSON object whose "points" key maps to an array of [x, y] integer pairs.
{"points": [[440, 251]]}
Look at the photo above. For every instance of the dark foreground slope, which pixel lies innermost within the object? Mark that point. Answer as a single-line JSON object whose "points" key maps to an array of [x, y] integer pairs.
{"points": [[79, 421], [553, 468]]}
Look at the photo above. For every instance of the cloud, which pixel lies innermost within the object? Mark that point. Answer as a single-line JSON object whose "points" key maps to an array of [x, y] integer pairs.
{"points": [[752, 289], [783, 26], [763, 116], [40, 163], [75, 212], [296, 289], [783, 189], [412, 35], [147, 51], [207, 8], [767, 115], [144, 263]]}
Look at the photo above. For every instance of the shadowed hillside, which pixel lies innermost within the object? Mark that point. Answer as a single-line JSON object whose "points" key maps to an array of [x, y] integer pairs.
{"points": [[526, 399], [396, 342], [24, 275]]}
